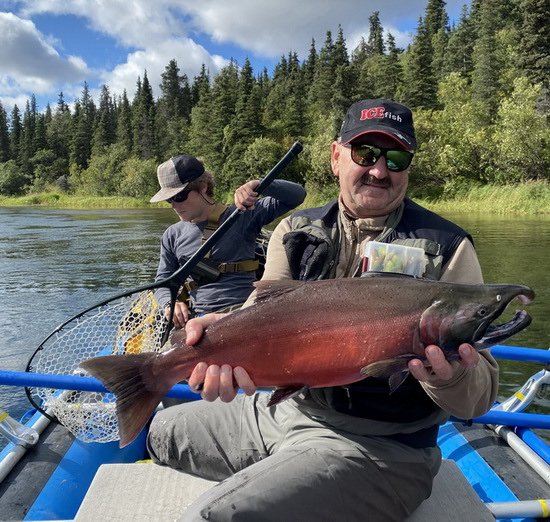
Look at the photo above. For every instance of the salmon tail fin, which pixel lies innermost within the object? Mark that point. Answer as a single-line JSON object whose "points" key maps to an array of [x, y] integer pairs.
{"points": [[130, 378]]}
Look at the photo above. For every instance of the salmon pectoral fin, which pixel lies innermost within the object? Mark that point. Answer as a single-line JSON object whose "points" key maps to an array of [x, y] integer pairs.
{"points": [[137, 391], [282, 394], [396, 369]]}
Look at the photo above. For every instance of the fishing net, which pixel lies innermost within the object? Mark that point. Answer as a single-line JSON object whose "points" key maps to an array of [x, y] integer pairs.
{"points": [[131, 324]]}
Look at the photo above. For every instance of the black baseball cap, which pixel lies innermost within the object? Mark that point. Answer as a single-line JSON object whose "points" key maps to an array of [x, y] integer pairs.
{"points": [[382, 116]]}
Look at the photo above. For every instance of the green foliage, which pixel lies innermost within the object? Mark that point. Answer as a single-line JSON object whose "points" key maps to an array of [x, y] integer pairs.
{"points": [[317, 153], [104, 174], [260, 157], [139, 178], [12, 180], [46, 168], [453, 141], [521, 140]]}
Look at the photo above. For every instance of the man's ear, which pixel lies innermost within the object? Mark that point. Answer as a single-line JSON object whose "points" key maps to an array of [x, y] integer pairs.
{"points": [[334, 156]]}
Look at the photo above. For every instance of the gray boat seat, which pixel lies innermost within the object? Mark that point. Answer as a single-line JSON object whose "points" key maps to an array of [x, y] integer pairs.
{"points": [[148, 492]]}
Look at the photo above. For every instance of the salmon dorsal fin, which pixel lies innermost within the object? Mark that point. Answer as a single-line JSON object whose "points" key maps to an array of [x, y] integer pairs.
{"points": [[270, 289]]}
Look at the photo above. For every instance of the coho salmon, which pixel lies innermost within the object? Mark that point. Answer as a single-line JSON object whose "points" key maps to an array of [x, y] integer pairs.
{"points": [[317, 334]]}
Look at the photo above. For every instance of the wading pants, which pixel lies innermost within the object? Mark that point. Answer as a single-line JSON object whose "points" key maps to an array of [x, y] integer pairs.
{"points": [[280, 464]]}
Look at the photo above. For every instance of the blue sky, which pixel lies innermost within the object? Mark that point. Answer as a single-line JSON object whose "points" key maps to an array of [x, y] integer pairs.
{"points": [[48, 46]]}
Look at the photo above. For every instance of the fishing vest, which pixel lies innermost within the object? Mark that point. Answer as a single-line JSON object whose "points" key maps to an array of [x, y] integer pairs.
{"points": [[312, 249]]}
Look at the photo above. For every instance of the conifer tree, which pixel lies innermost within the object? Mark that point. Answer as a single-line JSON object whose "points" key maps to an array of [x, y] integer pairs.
{"points": [[393, 71], [294, 115], [104, 133], [224, 98], [59, 130], [15, 132], [310, 64], [436, 17], [458, 56], [200, 130], [320, 92], [201, 84], [26, 142], [4, 135], [173, 110], [143, 112], [375, 43], [83, 121], [340, 55], [418, 88], [243, 128], [534, 55], [40, 140], [485, 75], [124, 130]]}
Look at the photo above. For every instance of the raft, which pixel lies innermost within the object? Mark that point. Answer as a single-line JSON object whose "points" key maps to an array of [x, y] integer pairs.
{"points": [[495, 467]]}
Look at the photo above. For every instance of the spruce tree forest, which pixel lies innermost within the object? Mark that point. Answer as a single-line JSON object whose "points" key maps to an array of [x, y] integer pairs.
{"points": [[479, 91]]}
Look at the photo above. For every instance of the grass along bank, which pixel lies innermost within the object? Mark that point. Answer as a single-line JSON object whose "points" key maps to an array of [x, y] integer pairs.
{"points": [[528, 199]]}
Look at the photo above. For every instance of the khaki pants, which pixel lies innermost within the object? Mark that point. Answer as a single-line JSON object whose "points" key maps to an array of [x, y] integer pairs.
{"points": [[280, 464]]}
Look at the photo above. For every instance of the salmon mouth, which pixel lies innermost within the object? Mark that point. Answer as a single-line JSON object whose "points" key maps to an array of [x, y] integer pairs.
{"points": [[489, 334], [495, 334]]}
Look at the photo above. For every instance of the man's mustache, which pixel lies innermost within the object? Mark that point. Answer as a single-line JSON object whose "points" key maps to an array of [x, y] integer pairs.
{"points": [[369, 179]]}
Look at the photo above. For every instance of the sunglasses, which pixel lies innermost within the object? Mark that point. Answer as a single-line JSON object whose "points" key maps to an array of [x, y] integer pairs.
{"points": [[367, 155], [180, 197]]}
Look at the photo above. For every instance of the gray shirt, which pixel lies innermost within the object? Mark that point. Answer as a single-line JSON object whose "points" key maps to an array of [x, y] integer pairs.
{"points": [[181, 240]]}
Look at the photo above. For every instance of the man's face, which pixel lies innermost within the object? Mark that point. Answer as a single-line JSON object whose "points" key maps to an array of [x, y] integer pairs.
{"points": [[369, 191]]}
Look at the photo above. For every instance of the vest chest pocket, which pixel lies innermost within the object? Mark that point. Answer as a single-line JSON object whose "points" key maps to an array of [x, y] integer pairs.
{"points": [[432, 251]]}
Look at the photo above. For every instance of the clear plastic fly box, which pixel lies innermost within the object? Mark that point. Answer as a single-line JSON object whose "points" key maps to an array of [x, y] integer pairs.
{"points": [[389, 257]]}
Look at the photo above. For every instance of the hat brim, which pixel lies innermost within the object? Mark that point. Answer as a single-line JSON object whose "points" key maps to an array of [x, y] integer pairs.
{"points": [[166, 193], [406, 141]]}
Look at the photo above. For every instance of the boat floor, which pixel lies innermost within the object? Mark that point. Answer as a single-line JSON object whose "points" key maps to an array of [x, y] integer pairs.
{"points": [[505, 462], [24, 483]]}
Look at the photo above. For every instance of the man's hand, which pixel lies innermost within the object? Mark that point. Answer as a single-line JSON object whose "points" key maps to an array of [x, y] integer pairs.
{"points": [[245, 195], [181, 314], [437, 367], [213, 380]]}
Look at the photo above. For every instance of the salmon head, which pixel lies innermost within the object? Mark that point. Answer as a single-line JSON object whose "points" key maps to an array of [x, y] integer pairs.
{"points": [[466, 314]]}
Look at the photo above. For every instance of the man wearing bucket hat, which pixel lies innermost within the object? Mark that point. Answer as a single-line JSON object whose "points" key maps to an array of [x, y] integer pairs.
{"points": [[355, 452], [224, 280]]}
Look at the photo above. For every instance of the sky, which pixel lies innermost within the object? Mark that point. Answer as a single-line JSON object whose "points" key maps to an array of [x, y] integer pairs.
{"points": [[49, 46]]}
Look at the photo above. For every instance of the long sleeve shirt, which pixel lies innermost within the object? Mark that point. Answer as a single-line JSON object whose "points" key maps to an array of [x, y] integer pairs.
{"points": [[181, 240]]}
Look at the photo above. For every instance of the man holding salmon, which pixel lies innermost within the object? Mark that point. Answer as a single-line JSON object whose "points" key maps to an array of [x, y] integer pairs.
{"points": [[357, 452]]}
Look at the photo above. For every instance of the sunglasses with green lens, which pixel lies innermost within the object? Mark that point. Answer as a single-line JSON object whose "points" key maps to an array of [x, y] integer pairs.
{"points": [[367, 155]]}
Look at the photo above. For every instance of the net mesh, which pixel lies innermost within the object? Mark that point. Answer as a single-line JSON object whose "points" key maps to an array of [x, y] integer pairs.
{"points": [[127, 325]]}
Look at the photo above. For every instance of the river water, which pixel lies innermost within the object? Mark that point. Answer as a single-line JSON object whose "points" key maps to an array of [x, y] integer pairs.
{"points": [[55, 263]]}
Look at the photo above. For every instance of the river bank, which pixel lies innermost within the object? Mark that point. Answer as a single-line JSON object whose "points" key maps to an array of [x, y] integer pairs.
{"points": [[531, 198]]}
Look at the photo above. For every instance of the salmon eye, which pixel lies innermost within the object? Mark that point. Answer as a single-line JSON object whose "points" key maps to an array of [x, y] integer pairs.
{"points": [[499, 298]]}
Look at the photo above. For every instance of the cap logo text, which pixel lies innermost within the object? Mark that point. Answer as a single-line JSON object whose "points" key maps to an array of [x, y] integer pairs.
{"points": [[378, 112]]}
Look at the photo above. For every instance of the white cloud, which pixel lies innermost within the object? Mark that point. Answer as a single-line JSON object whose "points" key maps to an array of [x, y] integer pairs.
{"points": [[26, 56], [155, 32], [276, 27], [154, 61], [267, 28], [30, 63]]}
